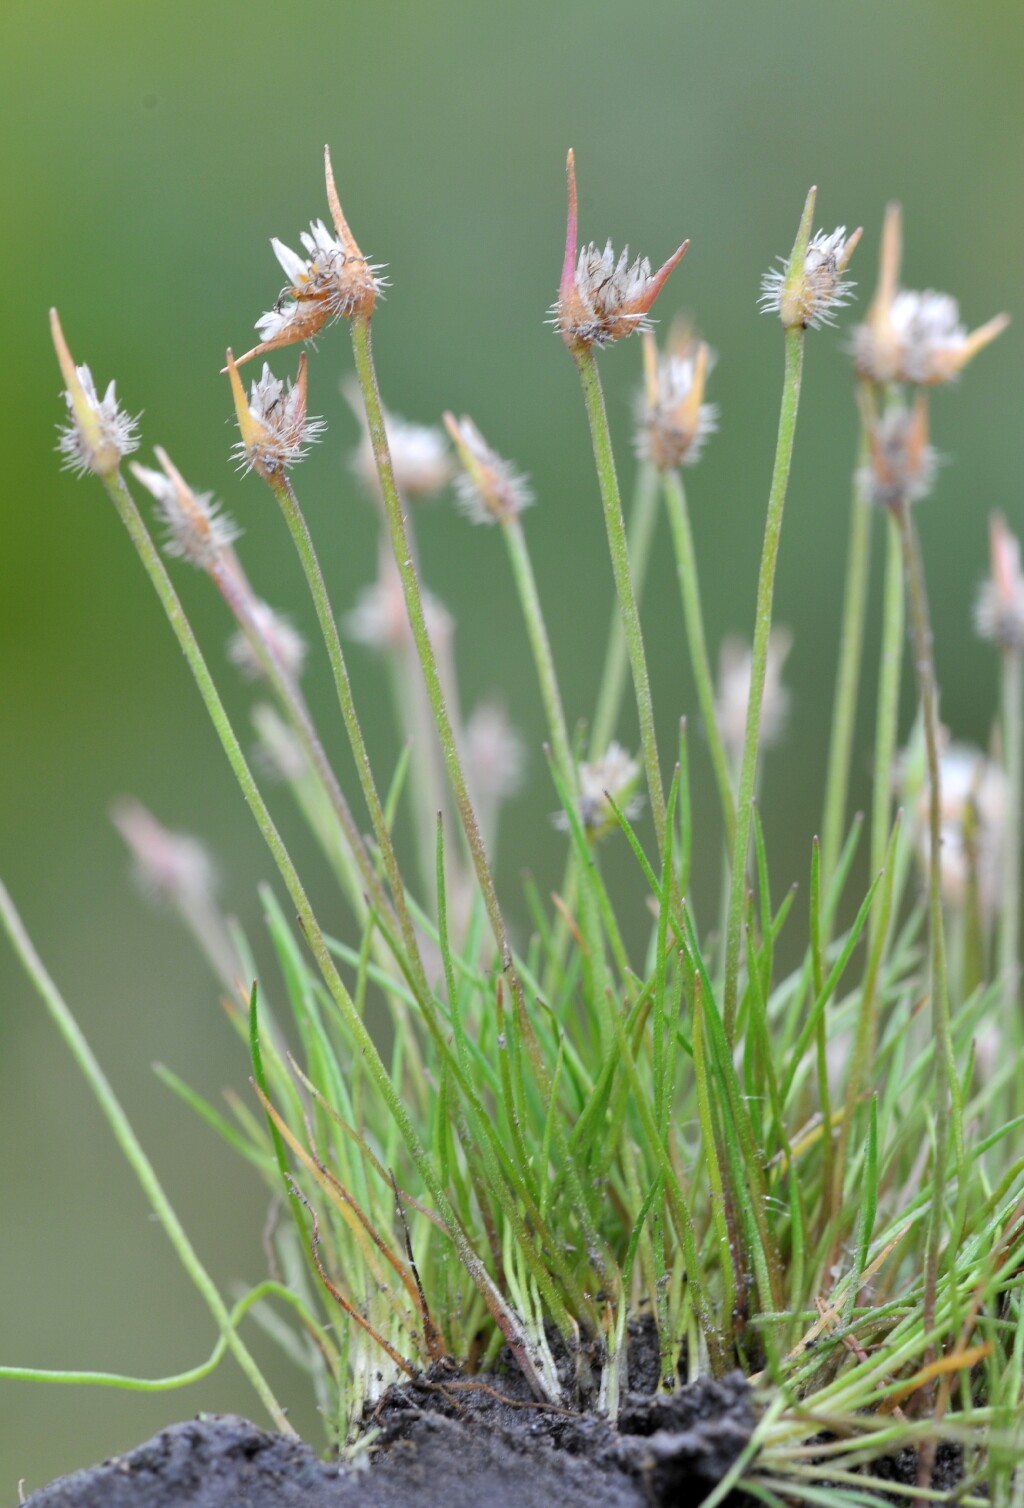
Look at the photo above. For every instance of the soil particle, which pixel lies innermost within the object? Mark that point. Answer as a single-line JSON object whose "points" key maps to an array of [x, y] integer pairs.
{"points": [[443, 1440]]}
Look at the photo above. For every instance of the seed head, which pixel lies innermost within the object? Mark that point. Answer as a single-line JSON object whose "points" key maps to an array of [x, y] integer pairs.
{"points": [[489, 489], [999, 615], [735, 662], [673, 421], [901, 464], [333, 281], [973, 816], [278, 750], [615, 775], [196, 528], [380, 618], [169, 866], [275, 431], [601, 299], [420, 458], [284, 644], [913, 337], [495, 757], [806, 289], [100, 433]]}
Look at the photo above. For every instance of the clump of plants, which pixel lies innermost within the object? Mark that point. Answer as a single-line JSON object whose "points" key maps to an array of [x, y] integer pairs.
{"points": [[479, 1150]]}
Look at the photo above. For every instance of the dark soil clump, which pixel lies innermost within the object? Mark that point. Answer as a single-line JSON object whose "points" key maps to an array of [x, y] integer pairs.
{"points": [[443, 1440]]}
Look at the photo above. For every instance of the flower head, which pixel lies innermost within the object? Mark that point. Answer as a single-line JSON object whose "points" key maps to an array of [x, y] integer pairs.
{"points": [[973, 815], [278, 750], [275, 431], [807, 288], [489, 489], [601, 298], [913, 337], [100, 433], [420, 458], [495, 757], [999, 615], [616, 775], [196, 528], [169, 866], [284, 644], [380, 618], [673, 421], [735, 662], [901, 465], [332, 281]]}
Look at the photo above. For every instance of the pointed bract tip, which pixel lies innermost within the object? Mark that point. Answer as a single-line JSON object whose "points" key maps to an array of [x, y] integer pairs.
{"points": [[60, 345], [842, 262], [571, 231], [803, 234], [345, 235], [238, 395]]}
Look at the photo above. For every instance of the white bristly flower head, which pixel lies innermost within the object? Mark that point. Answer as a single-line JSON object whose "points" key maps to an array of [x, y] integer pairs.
{"points": [[601, 297], [673, 421], [197, 530], [617, 775], [901, 465], [808, 286], [735, 662], [999, 615], [495, 757], [913, 337], [282, 639], [974, 805], [380, 618], [489, 489], [332, 281], [278, 750], [169, 866], [420, 458], [99, 433], [272, 422]]}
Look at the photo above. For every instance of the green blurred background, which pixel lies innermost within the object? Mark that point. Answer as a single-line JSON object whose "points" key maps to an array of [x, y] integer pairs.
{"points": [[150, 151]]}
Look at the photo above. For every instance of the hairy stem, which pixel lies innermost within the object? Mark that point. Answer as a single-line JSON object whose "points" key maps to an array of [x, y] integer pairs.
{"points": [[759, 661], [851, 643], [615, 524], [946, 1118], [689, 590], [1013, 761], [540, 645], [363, 350], [239, 600], [303, 541], [888, 706], [640, 533]]}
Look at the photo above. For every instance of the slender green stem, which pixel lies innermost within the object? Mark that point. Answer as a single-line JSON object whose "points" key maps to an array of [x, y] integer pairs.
{"points": [[362, 1041], [612, 503], [240, 602], [851, 644], [689, 590], [268, 1289], [303, 541], [946, 1117], [526, 586], [640, 534], [139, 1162], [759, 662], [887, 716], [1013, 760], [363, 350]]}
